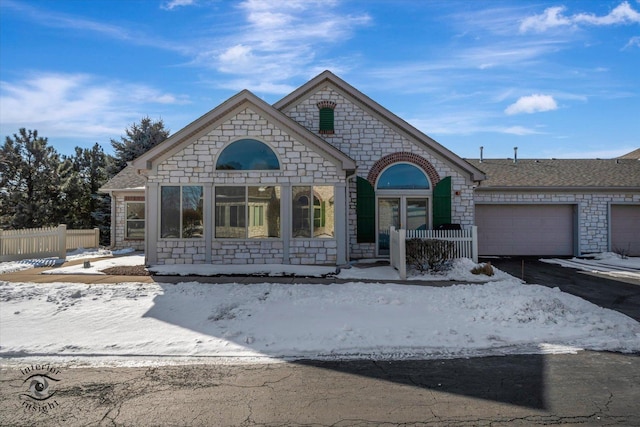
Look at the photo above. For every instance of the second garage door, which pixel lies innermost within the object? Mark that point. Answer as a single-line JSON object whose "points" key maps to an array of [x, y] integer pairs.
{"points": [[625, 229], [525, 229]]}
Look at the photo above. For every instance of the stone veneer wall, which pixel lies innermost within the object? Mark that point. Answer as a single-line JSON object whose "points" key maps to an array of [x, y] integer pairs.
{"points": [[195, 165], [366, 139], [593, 211], [120, 222]]}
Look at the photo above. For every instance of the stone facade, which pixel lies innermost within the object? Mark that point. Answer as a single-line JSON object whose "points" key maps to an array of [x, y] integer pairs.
{"points": [[359, 139], [367, 140], [593, 211], [195, 165], [119, 219]]}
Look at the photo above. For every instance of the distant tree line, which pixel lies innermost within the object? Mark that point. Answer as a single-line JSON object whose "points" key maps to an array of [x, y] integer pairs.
{"points": [[41, 188]]}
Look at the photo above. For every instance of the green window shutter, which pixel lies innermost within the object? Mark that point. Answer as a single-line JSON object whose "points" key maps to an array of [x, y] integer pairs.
{"points": [[442, 202], [326, 120], [366, 211]]}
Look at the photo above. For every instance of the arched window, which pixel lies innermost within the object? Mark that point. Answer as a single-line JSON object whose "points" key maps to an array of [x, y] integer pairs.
{"points": [[247, 154], [403, 176]]}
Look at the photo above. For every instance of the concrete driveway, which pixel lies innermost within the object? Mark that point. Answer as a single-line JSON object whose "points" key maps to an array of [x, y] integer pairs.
{"points": [[622, 295]]}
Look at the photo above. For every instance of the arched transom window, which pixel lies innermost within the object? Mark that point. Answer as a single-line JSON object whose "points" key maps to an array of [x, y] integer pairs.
{"points": [[403, 176], [247, 154]]}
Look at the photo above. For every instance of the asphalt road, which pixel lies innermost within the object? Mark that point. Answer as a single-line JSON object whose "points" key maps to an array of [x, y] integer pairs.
{"points": [[588, 388]]}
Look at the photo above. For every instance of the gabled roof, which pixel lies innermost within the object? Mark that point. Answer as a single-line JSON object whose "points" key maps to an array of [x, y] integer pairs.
{"points": [[635, 154], [227, 109], [127, 179], [559, 174], [378, 111]]}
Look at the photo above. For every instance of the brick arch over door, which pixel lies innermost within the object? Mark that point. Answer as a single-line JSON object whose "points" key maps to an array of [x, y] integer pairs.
{"points": [[390, 159]]}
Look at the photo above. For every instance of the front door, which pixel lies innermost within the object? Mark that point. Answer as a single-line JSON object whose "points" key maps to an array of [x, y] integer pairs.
{"points": [[411, 213]]}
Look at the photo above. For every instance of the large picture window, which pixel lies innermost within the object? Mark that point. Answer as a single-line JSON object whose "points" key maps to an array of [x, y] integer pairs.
{"points": [[135, 221], [313, 211], [247, 212], [181, 212]]}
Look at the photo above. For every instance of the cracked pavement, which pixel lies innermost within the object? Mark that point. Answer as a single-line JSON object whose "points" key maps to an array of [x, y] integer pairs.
{"points": [[588, 388]]}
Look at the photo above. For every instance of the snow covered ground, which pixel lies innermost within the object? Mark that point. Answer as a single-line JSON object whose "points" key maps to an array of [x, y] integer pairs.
{"points": [[130, 324]]}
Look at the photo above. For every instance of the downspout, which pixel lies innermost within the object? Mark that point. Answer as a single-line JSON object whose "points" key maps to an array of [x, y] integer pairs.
{"points": [[112, 230]]}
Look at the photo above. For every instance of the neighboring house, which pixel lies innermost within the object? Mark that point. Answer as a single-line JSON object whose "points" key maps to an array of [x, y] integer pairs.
{"points": [[558, 206], [318, 178], [127, 209]]}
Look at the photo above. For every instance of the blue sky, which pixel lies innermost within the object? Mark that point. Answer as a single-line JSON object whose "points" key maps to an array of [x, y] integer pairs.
{"points": [[554, 78]]}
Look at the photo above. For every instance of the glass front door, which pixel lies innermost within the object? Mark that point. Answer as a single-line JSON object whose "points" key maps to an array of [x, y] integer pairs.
{"points": [[388, 216], [410, 213], [416, 213]]}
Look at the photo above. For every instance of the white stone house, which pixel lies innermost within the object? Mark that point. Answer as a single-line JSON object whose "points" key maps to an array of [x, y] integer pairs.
{"points": [[319, 177]]}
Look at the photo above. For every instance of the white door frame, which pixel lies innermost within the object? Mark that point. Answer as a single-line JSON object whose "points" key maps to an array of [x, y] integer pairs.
{"points": [[403, 196]]}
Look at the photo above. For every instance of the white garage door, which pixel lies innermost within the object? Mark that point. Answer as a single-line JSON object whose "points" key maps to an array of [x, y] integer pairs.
{"points": [[525, 229], [625, 228]]}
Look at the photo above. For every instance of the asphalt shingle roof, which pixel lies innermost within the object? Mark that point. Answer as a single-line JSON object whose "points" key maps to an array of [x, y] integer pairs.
{"points": [[559, 173], [126, 179], [635, 154]]}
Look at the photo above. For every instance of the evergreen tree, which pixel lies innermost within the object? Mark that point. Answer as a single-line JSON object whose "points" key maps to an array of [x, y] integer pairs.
{"points": [[140, 139], [82, 176], [29, 182]]}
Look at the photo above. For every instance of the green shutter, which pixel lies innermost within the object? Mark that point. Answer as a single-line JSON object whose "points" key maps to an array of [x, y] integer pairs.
{"points": [[442, 202], [366, 211], [326, 120]]}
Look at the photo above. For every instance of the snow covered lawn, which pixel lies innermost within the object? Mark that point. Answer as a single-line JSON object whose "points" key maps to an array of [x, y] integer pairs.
{"points": [[133, 324]]}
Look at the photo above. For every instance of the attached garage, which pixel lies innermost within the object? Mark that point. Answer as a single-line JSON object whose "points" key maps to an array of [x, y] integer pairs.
{"points": [[526, 229], [625, 228]]}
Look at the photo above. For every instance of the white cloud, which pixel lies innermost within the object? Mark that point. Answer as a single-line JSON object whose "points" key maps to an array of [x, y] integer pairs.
{"points": [[633, 42], [76, 105], [172, 4], [518, 130], [532, 104], [553, 17], [279, 40], [54, 19], [622, 14]]}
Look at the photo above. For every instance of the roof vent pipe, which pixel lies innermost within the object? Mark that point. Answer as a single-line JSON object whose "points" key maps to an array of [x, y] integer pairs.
{"points": [[481, 148], [515, 154]]}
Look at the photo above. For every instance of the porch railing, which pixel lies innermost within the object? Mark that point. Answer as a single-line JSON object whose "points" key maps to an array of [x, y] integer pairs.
{"points": [[465, 244], [44, 242]]}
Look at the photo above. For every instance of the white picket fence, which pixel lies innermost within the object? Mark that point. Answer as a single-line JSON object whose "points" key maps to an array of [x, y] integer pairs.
{"points": [[44, 242], [466, 244]]}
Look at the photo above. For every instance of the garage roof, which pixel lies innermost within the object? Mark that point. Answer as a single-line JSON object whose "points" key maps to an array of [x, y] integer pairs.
{"points": [[559, 173], [127, 179]]}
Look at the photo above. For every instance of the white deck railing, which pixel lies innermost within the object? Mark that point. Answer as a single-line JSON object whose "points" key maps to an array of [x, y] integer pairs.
{"points": [[44, 242], [466, 244]]}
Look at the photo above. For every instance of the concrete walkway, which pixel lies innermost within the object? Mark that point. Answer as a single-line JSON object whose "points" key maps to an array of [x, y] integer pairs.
{"points": [[34, 275]]}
